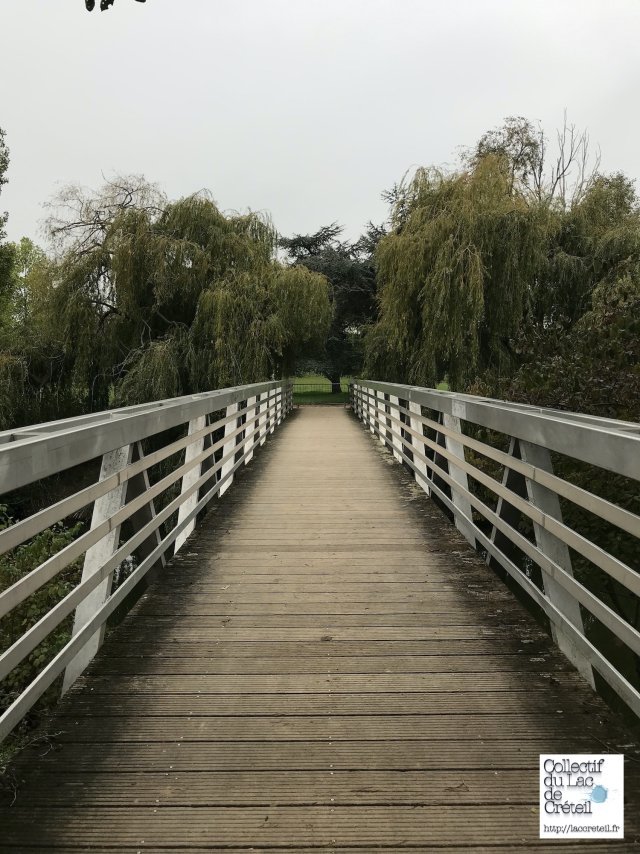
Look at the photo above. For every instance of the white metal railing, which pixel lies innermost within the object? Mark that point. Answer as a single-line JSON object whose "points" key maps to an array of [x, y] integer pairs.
{"points": [[220, 432], [428, 431]]}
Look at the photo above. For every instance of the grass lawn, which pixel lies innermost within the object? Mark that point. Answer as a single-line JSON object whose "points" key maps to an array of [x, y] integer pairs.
{"points": [[315, 389]]}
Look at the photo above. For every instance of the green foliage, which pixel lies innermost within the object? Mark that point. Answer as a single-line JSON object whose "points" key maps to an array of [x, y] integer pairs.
{"points": [[594, 367], [148, 299], [484, 261], [31, 354], [350, 271], [6, 250], [454, 274], [14, 566]]}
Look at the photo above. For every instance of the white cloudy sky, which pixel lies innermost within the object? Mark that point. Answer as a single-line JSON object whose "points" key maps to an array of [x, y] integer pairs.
{"points": [[307, 109]]}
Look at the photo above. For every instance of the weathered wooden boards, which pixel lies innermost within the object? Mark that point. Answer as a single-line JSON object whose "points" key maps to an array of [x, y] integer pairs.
{"points": [[327, 667]]}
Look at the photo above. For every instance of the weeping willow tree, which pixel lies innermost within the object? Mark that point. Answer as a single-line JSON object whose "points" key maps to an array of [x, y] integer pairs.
{"points": [[454, 274], [154, 299], [481, 261], [593, 243]]}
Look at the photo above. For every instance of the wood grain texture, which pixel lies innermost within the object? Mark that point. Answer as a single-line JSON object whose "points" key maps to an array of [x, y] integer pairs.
{"points": [[325, 666]]}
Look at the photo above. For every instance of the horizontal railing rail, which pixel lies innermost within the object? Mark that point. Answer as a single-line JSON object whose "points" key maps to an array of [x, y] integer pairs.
{"points": [[197, 443], [442, 437]]}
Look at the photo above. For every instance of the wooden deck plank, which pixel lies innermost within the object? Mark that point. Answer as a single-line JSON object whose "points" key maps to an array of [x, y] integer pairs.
{"points": [[390, 826], [325, 665], [475, 702], [319, 728], [257, 788], [218, 651], [243, 665]]}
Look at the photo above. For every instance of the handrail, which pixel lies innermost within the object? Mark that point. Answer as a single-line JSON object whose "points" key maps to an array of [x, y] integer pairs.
{"points": [[438, 450], [221, 430]]}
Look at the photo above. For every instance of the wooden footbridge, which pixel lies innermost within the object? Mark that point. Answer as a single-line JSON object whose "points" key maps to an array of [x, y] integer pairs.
{"points": [[327, 662]]}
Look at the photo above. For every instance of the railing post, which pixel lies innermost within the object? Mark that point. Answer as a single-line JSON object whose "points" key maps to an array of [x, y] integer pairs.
{"points": [[421, 471], [396, 436], [381, 410], [95, 558], [371, 405], [359, 396], [557, 551], [227, 449], [250, 424], [192, 451], [263, 417], [459, 476], [271, 422]]}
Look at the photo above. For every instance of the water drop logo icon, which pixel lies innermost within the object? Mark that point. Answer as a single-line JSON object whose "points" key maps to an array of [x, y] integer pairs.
{"points": [[599, 794]]}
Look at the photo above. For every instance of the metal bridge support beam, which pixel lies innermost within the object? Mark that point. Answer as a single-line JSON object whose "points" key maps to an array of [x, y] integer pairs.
{"points": [[555, 550], [139, 485], [95, 558]]}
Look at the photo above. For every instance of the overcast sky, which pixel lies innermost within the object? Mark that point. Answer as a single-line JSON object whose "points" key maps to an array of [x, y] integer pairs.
{"points": [[307, 109]]}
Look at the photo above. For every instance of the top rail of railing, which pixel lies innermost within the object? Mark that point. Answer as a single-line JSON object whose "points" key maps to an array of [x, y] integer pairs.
{"points": [[509, 504], [40, 450], [605, 442]]}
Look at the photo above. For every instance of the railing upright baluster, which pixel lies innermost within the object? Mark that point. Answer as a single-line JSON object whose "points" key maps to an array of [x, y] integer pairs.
{"points": [[381, 411], [227, 449], [459, 476], [191, 452], [370, 404], [95, 558], [271, 420], [263, 420], [421, 471], [396, 435], [251, 423]]}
